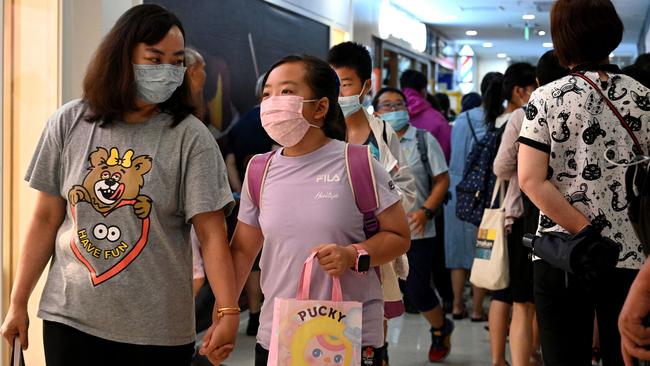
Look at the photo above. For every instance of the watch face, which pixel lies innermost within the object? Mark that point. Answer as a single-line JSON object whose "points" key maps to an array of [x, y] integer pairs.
{"points": [[364, 263]]}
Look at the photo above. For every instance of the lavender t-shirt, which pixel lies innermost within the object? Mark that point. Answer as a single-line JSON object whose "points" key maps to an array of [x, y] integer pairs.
{"points": [[307, 201]]}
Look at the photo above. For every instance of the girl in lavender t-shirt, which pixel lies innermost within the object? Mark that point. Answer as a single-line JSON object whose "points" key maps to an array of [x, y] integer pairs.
{"points": [[307, 204]]}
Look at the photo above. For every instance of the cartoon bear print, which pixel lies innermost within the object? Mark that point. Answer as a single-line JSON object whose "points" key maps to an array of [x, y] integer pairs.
{"points": [[113, 180]]}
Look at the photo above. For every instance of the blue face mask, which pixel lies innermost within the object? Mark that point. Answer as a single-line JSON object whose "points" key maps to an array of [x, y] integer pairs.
{"points": [[156, 83], [396, 119]]}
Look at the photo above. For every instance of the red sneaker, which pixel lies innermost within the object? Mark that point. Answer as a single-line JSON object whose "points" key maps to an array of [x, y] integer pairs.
{"points": [[441, 342]]}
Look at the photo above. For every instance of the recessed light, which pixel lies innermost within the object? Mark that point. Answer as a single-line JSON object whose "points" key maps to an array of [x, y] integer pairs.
{"points": [[611, 55], [471, 33], [541, 33], [528, 17], [547, 44], [488, 45], [501, 55]]}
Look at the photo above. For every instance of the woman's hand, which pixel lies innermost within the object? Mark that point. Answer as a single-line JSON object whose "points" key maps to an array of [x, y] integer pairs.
{"points": [[16, 324], [336, 259], [219, 339], [417, 221]]}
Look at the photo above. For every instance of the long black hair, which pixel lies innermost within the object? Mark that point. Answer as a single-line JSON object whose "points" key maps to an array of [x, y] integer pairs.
{"points": [[492, 94], [324, 82]]}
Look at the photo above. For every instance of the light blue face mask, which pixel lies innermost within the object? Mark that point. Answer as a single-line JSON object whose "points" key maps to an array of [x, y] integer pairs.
{"points": [[396, 119], [156, 83]]}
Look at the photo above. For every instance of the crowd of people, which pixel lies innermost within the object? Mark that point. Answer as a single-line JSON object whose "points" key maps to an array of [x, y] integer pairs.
{"points": [[129, 175]]}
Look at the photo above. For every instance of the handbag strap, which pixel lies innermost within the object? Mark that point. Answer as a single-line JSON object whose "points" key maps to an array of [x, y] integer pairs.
{"points": [[305, 282], [613, 109], [497, 189]]}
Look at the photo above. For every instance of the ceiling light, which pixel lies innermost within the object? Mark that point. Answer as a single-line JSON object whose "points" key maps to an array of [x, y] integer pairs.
{"points": [[501, 55], [547, 44], [508, 59], [471, 33], [541, 33], [528, 17], [611, 55], [488, 45]]}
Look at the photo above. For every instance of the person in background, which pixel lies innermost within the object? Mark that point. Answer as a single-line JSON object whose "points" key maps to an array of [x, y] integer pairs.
{"points": [[414, 85], [127, 163], [470, 101], [390, 105], [518, 83], [196, 74], [299, 110], [353, 65], [640, 70], [460, 236], [445, 106], [562, 168]]}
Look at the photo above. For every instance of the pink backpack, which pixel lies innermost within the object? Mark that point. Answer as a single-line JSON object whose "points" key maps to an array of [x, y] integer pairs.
{"points": [[358, 163]]}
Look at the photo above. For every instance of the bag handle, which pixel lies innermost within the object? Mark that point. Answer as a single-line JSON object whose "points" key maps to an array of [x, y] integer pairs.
{"points": [[305, 282], [613, 109], [497, 189]]}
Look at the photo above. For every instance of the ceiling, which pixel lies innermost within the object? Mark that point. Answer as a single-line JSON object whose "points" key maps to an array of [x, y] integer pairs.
{"points": [[500, 23]]}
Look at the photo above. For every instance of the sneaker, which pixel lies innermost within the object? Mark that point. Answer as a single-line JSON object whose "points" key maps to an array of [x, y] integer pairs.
{"points": [[253, 324], [441, 341]]}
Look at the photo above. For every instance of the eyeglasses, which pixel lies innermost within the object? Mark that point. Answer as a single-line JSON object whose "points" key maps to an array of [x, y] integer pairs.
{"points": [[391, 106]]}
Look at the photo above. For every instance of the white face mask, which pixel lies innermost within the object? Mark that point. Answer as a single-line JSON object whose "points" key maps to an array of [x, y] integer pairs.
{"points": [[351, 104]]}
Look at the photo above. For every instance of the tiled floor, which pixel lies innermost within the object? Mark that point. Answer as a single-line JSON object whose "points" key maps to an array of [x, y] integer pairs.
{"points": [[409, 341]]}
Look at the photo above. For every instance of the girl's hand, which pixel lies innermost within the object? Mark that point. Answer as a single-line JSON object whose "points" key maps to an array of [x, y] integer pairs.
{"points": [[336, 259]]}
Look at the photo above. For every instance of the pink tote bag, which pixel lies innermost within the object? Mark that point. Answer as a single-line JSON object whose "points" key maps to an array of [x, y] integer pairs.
{"points": [[315, 332]]}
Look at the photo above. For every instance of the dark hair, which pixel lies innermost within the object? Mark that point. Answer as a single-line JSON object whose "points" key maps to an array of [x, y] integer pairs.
{"points": [[443, 100], [520, 74], [638, 73], [492, 90], [585, 31], [324, 82], [413, 79], [433, 102], [352, 55], [388, 89], [108, 87], [470, 101], [549, 68]]}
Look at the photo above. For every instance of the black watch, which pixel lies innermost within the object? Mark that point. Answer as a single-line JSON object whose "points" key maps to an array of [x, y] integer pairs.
{"points": [[427, 212]]}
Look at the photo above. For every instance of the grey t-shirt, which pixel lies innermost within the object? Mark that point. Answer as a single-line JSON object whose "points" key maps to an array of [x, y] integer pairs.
{"points": [[122, 265]]}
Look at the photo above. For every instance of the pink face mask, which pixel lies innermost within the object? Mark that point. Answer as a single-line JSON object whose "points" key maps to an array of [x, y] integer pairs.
{"points": [[282, 119]]}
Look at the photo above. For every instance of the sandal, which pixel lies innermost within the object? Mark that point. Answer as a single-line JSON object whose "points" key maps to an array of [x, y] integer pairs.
{"points": [[482, 318], [463, 314]]}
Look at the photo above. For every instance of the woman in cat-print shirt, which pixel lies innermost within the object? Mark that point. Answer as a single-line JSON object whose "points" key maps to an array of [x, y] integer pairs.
{"points": [[562, 168]]}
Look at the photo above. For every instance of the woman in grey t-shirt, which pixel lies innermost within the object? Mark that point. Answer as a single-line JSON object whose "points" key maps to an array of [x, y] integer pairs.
{"points": [[121, 175]]}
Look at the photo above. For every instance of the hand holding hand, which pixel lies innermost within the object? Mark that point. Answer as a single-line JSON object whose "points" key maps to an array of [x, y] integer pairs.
{"points": [[219, 339]]}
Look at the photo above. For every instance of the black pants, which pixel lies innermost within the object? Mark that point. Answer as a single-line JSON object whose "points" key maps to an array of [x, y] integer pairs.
{"points": [[262, 356], [566, 315], [441, 274], [418, 285], [67, 346]]}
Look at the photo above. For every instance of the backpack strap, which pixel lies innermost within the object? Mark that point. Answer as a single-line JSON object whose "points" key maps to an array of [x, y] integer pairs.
{"points": [[361, 177], [423, 151], [469, 122], [256, 174]]}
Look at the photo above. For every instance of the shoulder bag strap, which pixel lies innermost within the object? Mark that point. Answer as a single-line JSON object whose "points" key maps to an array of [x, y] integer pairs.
{"points": [[613, 109]]}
